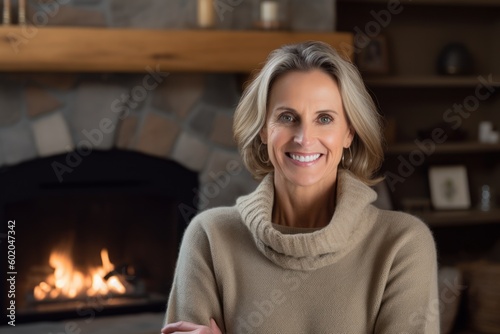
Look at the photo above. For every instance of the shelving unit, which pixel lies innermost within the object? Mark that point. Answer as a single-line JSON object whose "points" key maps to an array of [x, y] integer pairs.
{"points": [[447, 148], [427, 81], [462, 217], [476, 3], [415, 100], [64, 49]]}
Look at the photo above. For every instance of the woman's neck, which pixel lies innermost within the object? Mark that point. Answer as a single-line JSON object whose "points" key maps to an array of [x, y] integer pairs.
{"points": [[303, 206]]}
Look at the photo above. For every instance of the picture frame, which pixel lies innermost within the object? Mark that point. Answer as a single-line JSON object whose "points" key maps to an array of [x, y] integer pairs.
{"points": [[449, 187], [373, 57]]}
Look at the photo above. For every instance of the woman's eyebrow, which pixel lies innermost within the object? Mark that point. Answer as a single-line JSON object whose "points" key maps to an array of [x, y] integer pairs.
{"points": [[285, 108], [327, 111]]}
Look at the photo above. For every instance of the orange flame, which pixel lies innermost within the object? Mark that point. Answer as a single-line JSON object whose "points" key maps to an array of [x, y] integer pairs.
{"points": [[67, 282]]}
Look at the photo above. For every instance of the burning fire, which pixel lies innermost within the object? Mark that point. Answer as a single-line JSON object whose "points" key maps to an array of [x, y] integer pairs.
{"points": [[67, 282]]}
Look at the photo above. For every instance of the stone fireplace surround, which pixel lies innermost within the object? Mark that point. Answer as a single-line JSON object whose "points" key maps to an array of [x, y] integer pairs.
{"points": [[182, 117], [133, 212], [186, 118]]}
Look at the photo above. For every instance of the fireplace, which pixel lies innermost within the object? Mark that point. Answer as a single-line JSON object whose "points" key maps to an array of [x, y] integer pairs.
{"points": [[111, 229]]}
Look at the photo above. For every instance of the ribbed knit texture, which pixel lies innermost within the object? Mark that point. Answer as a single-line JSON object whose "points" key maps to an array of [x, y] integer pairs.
{"points": [[367, 271], [351, 221]]}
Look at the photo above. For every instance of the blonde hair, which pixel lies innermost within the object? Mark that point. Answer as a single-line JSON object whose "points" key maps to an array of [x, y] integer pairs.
{"points": [[362, 115]]}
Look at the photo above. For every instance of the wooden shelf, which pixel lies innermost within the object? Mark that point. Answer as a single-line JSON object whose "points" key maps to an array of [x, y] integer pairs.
{"points": [[427, 81], [65, 49], [446, 148], [493, 3], [462, 217]]}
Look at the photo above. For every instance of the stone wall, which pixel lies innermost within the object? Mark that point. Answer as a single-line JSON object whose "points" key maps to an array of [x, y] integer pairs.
{"points": [[184, 117], [311, 15]]}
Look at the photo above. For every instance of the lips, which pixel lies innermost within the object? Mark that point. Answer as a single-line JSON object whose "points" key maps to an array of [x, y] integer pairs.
{"points": [[304, 157]]}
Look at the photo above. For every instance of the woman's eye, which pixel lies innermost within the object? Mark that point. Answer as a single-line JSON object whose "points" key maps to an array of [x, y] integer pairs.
{"points": [[325, 119], [286, 118]]}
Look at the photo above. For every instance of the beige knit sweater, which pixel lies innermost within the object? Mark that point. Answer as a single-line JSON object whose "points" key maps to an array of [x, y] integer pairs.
{"points": [[368, 271]]}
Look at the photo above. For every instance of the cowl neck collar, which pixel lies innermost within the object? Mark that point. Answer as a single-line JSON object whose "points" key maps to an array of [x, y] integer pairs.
{"points": [[353, 218]]}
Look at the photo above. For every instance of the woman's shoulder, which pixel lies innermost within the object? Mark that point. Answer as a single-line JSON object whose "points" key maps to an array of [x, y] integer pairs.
{"points": [[218, 215], [215, 221], [400, 223], [405, 239]]}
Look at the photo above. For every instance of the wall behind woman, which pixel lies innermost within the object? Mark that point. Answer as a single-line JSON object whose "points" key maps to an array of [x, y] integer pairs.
{"points": [[185, 117]]}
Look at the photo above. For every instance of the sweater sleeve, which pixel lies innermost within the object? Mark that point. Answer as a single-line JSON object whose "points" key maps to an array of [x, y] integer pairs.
{"points": [[410, 302], [194, 295]]}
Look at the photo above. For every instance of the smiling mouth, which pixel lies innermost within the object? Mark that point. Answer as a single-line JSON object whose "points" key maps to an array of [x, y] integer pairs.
{"points": [[304, 158]]}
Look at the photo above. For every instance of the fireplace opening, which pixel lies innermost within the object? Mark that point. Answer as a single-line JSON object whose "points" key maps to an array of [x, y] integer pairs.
{"points": [[103, 241]]}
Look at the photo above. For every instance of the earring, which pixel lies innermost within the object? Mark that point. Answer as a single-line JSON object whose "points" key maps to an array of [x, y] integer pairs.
{"points": [[347, 164], [259, 154]]}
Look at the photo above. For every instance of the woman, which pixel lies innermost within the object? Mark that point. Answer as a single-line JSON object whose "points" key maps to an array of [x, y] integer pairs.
{"points": [[306, 252]]}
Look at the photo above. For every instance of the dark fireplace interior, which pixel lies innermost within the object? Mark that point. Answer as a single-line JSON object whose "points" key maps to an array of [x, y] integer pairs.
{"points": [[134, 206]]}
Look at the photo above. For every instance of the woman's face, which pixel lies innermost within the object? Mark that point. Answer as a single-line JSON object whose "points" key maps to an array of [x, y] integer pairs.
{"points": [[306, 128]]}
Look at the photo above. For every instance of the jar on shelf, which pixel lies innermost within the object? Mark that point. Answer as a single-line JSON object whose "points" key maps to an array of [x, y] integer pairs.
{"points": [[486, 198], [271, 14], [205, 14], [6, 12]]}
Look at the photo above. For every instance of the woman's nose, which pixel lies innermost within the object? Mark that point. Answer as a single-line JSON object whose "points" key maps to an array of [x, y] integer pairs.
{"points": [[304, 135]]}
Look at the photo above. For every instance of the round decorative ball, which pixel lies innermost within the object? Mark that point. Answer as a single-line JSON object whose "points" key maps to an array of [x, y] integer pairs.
{"points": [[454, 59]]}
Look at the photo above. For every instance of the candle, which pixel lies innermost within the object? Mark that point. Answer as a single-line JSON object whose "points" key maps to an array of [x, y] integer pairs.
{"points": [[6, 11], [22, 12], [206, 14], [269, 11]]}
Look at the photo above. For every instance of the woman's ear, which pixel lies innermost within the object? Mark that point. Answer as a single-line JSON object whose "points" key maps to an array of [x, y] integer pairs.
{"points": [[263, 135], [349, 137]]}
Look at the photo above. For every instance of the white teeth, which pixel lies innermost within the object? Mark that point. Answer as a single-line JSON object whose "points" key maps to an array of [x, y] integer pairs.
{"points": [[306, 158]]}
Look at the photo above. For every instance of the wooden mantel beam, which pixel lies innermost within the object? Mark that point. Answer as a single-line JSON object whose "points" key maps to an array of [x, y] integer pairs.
{"points": [[63, 49]]}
